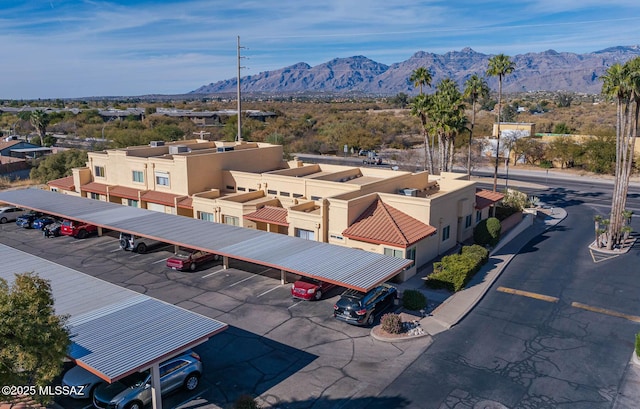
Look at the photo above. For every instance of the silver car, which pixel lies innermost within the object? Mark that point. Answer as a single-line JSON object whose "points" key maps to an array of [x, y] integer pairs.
{"points": [[134, 391], [83, 382], [10, 213]]}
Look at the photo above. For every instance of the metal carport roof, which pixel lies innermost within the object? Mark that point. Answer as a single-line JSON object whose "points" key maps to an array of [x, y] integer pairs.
{"points": [[347, 267], [114, 331]]}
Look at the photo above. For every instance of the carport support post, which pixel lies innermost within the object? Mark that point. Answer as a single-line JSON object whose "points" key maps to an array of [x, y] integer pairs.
{"points": [[225, 262], [156, 399], [283, 277], [99, 231]]}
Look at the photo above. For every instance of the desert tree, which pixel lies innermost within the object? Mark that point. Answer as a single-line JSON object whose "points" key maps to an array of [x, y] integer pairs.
{"points": [[499, 66], [622, 84], [475, 88], [40, 120]]}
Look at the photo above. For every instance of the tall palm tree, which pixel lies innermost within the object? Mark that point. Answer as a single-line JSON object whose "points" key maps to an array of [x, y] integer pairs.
{"points": [[622, 83], [447, 113], [420, 77], [420, 108], [475, 88], [499, 66]]}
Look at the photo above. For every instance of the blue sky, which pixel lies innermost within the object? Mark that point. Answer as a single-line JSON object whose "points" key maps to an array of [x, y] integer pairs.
{"points": [[71, 48]]}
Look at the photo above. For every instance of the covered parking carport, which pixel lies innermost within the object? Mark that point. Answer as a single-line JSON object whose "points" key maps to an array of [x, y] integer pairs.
{"points": [[346, 267], [114, 331]]}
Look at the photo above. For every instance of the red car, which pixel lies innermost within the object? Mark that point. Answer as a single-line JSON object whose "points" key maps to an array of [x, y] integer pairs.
{"points": [[310, 289], [79, 230], [189, 259]]}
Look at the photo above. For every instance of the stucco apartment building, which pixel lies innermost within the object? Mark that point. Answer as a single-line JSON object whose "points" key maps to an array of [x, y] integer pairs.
{"points": [[402, 214]]}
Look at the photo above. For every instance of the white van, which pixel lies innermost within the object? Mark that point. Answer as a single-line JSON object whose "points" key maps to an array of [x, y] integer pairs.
{"points": [[130, 242]]}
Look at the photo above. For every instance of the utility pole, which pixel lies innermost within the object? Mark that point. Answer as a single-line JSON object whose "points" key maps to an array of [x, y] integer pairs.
{"points": [[239, 136]]}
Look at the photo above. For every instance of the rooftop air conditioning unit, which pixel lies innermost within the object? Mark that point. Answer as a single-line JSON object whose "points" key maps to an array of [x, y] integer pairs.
{"points": [[173, 149], [155, 144], [409, 192]]}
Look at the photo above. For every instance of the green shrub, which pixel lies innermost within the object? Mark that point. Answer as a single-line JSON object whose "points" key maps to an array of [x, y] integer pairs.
{"points": [[487, 232], [245, 402], [391, 323], [454, 271], [638, 344], [480, 253], [413, 300]]}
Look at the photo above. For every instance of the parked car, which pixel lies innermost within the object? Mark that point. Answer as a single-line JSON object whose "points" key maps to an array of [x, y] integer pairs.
{"points": [[189, 259], [27, 219], [43, 221], [10, 214], [360, 308], [310, 289], [131, 242], [133, 391], [77, 377], [79, 230], [52, 230]]}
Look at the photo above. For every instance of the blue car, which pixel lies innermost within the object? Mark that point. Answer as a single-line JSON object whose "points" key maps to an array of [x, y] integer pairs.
{"points": [[41, 222], [26, 220]]}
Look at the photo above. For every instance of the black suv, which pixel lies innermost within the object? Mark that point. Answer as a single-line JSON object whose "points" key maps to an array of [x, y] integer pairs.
{"points": [[360, 308]]}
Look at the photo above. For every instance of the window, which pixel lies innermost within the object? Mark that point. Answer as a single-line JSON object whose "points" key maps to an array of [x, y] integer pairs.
{"points": [[393, 252], [305, 234], [138, 176], [205, 216], [95, 196], [467, 221], [98, 171], [478, 216], [296, 195], [162, 178], [232, 220], [445, 233], [285, 194], [132, 203], [231, 187], [272, 192], [241, 189], [316, 198]]}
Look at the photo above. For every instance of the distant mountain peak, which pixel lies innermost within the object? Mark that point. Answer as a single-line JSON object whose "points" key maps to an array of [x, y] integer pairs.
{"points": [[549, 70]]}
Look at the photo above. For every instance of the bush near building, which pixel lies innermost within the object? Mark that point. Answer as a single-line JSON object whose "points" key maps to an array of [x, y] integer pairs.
{"points": [[487, 232], [638, 344], [413, 300], [454, 271]]}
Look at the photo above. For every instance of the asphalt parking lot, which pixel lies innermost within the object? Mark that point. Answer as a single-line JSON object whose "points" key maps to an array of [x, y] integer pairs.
{"points": [[292, 353]]}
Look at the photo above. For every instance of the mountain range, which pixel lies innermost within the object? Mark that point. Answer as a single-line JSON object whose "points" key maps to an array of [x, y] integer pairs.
{"points": [[545, 71]]}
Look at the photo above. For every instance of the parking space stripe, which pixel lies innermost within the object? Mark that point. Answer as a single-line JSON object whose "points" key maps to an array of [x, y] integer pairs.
{"points": [[528, 294], [118, 249], [214, 273], [605, 311], [299, 302], [242, 281], [268, 291], [160, 261]]}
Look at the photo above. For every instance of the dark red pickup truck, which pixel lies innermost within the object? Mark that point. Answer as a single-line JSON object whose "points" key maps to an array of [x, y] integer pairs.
{"points": [[78, 230]]}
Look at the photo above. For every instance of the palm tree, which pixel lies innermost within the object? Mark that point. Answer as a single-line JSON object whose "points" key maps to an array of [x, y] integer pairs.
{"points": [[420, 108], [499, 66], [420, 77], [622, 83], [474, 89], [448, 119]]}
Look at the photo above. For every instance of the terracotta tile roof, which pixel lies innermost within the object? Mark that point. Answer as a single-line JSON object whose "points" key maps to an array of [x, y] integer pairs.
{"points": [[383, 224], [269, 214], [126, 192], [95, 187], [166, 199], [65, 183], [186, 203], [485, 198]]}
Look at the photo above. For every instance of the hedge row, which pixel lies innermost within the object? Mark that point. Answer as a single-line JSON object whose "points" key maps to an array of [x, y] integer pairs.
{"points": [[454, 271]]}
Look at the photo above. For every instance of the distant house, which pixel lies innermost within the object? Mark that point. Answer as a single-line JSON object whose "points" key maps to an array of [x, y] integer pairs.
{"points": [[213, 118], [22, 149]]}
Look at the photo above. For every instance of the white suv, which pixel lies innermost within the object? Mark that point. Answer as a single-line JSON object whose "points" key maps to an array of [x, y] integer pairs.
{"points": [[10, 214], [135, 243]]}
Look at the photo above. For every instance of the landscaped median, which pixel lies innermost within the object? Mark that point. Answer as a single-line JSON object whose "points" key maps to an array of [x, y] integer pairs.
{"points": [[395, 327]]}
